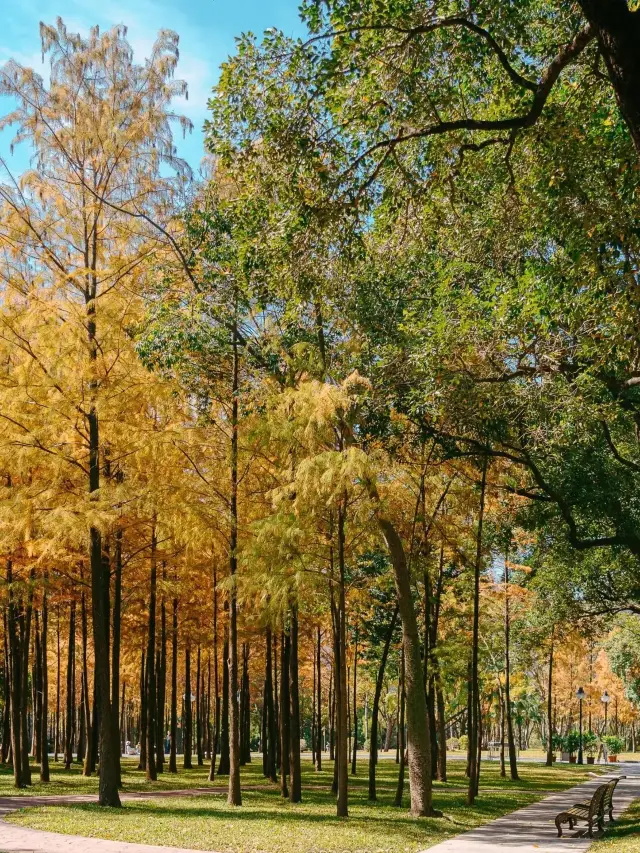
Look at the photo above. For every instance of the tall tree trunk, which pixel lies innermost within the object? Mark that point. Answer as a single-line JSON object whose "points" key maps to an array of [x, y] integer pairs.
{"points": [[162, 680], [16, 681], [142, 763], [401, 744], [199, 755], [115, 655], [234, 797], [216, 724], [86, 708], [418, 738], [475, 688], [44, 736], [6, 717], [223, 765], [513, 760], [71, 681], [285, 646], [36, 681], [442, 733], [188, 709], [56, 746], [550, 726], [25, 641], [173, 726], [342, 757], [319, 703], [355, 707], [109, 750], [373, 739], [271, 732], [295, 790], [150, 680]]}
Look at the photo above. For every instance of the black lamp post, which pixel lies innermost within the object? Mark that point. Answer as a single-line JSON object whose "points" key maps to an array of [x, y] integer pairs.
{"points": [[581, 695], [605, 699]]}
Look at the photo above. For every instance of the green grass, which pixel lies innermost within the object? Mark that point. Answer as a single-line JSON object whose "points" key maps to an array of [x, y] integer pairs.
{"points": [[267, 824], [622, 836]]}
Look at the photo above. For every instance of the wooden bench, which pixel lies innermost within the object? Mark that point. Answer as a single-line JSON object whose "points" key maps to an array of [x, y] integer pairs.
{"points": [[592, 812], [607, 804]]}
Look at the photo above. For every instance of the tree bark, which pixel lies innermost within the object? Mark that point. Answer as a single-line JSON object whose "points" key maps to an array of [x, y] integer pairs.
{"points": [[150, 680], [401, 745], [173, 729], [342, 755], [223, 765], [270, 727], [188, 712], [373, 740], [44, 716], [285, 645], [513, 759], [234, 797], [319, 703], [475, 687], [71, 680], [216, 723], [550, 726], [295, 790]]}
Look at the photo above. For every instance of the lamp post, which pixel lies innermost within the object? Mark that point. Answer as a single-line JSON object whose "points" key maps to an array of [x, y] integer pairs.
{"points": [[605, 699], [581, 695]]}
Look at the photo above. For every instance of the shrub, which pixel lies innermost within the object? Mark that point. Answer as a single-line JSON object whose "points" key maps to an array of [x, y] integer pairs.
{"points": [[615, 745], [463, 743], [590, 743], [572, 742], [453, 744]]}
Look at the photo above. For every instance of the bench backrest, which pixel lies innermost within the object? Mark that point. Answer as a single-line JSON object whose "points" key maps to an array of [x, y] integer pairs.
{"points": [[608, 797], [596, 806]]}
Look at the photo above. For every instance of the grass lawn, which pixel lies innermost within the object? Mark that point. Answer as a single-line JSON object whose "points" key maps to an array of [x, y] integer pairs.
{"points": [[622, 836], [267, 824]]}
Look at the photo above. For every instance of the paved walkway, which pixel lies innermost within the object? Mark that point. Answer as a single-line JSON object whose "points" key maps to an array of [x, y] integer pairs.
{"points": [[532, 829], [528, 830]]}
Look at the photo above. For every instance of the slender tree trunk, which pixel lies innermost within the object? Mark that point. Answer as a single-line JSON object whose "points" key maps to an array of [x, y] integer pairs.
{"points": [[234, 797], [150, 679], [162, 680], [550, 726], [25, 641], [401, 744], [285, 646], [475, 691], [295, 791], [223, 765], [56, 746], [115, 656], [373, 740], [188, 711], [142, 764], [44, 716], [442, 733], [418, 739], [513, 760], [271, 732], [13, 619], [342, 757], [6, 717], [71, 658], [173, 728], [109, 775], [216, 724], [319, 702], [199, 755], [86, 708]]}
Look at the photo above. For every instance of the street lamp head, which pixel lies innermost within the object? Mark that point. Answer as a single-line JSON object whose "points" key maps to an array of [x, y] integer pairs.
{"points": [[580, 693], [605, 698]]}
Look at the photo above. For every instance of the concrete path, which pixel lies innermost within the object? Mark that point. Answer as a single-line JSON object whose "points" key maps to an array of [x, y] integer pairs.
{"points": [[528, 830], [532, 829]]}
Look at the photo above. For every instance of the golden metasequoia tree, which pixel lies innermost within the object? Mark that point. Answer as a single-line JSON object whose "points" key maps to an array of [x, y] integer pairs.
{"points": [[77, 235]]}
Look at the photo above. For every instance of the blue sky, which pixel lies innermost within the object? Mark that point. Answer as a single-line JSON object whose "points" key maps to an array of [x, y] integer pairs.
{"points": [[206, 27]]}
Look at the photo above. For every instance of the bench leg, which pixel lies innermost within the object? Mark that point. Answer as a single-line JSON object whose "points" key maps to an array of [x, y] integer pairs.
{"points": [[611, 818], [559, 825]]}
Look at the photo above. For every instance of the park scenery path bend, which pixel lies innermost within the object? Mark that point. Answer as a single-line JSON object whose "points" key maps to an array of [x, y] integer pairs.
{"points": [[527, 830], [532, 829]]}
